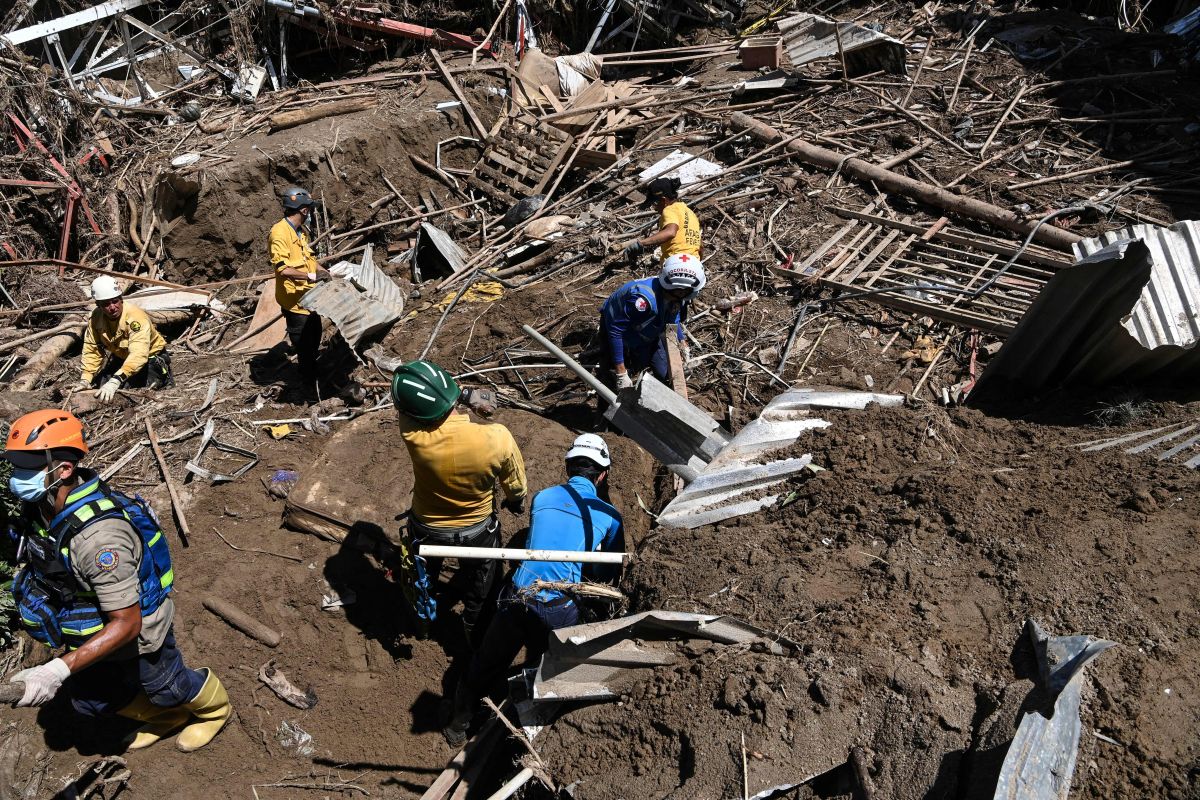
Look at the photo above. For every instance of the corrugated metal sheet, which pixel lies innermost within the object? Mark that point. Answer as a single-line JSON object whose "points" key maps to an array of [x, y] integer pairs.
{"points": [[355, 315], [1168, 312], [1116, 316], [732, 473], [372, 280], [593, 661], [808, 37], [446, 249], [1177, 442]]}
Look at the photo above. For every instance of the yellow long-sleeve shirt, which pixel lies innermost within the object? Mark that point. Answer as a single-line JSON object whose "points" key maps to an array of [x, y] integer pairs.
{"points": [[687, 238], [290, 249], [132, 338], [457, 465]]}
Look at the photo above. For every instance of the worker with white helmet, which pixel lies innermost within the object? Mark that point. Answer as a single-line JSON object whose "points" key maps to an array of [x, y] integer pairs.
{"points": [[121, 346], [634, 318], [575, 516]]}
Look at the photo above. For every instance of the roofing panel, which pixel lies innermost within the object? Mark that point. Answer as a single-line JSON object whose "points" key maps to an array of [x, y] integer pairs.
{"points": [[808, 37], [355, 315], [1168, 311]]}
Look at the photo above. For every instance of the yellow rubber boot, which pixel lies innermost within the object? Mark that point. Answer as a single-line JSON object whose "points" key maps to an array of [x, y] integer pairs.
{"points": [[211, 709], [160, 722]]}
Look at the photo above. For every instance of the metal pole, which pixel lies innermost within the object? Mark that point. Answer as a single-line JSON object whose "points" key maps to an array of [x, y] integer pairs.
{"points": [[591, 380], [517, 554]]}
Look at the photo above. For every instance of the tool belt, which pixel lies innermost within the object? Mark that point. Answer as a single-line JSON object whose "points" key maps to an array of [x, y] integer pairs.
{"points": [[426, 534]]}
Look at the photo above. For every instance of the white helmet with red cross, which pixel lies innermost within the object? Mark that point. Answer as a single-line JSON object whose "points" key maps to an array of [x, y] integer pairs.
{"points": [[683, 271]]}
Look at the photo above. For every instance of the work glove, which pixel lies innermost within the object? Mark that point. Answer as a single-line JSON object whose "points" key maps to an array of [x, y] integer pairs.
{"points": [[41, 683], [108, 391], [685, 352], [633, 251], [624, 381], [481, 401], [83, 384], [516, 506]]}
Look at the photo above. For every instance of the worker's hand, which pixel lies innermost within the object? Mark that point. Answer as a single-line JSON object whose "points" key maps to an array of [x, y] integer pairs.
{"points": [[515, 506], [41, 683], [481, 401], [624, 381], [633, 251], [685, 352], [82, 384], [311, 277], [108, 391], [324, 274]]}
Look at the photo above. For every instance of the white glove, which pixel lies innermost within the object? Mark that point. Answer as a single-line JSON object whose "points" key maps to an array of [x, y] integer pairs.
{"points": [[41, 683], [685, 352], [624, 381], [83, 384], [312, 277], [109, 390]]}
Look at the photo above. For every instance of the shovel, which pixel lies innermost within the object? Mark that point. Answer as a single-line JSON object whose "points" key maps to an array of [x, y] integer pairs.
{"points": [[671, 429]]}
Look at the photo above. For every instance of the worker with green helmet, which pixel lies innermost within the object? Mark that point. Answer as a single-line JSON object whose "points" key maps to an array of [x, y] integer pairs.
{"points": [[456, 466]]}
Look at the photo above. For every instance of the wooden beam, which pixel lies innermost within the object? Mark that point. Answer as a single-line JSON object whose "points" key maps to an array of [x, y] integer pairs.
{"points": [[468, 109]]}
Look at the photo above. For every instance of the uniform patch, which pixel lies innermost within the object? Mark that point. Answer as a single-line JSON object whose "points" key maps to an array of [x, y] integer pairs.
{"points": [[107, 560], [134, 325], [640, 304]]}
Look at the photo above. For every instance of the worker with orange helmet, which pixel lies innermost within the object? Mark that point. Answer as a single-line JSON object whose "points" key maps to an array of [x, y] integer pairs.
{"points": [[96, 578], [121, 346]]}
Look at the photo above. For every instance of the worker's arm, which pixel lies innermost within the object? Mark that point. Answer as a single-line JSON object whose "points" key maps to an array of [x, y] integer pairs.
{"points": [[92, 359], [295, 263], [140, 335], [121, 627], [664, 235], [511, 472]]}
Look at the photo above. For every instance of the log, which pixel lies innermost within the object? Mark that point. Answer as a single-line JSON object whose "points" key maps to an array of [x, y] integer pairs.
{"points": [[902, 184], [290, 119], [11, 693], [184, 531], [242, 621], [46, 356]]}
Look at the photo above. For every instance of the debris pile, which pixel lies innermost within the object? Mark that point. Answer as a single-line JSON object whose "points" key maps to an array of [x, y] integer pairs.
{"points": [[904, 210]]}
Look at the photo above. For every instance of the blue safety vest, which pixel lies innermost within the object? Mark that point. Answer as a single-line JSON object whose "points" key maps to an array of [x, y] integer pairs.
{"points": [[621, 312], [54, 607]]}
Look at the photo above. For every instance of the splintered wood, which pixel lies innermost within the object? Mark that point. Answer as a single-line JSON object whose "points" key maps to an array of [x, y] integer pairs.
{"points": [[520, 159]]}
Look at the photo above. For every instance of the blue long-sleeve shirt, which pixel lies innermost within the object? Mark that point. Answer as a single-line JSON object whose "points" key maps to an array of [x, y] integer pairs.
{"points": [[636, 315], [556, 523]]}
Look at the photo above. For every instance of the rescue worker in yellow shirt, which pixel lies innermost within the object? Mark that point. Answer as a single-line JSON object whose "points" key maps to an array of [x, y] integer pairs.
{"points": [[297, 271], [678, 227], [121, 347], [456, 466]]}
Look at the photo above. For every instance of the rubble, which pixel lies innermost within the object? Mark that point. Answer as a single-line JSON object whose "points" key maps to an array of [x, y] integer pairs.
{"points": [[905, 209]]}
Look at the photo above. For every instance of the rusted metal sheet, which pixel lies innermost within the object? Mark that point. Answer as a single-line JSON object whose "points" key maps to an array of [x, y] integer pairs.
{"points": [[808, 37], [355, 315]]}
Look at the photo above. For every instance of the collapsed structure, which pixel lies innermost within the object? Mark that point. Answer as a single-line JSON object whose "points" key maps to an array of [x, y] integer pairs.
{"points": [[906, 211]]}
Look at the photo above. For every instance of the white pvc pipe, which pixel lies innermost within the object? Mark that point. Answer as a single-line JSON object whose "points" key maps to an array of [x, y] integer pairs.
{"points": [[516, 554], [510, 788]]}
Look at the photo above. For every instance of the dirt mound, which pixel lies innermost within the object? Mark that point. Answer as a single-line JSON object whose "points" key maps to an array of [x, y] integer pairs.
{"points": [[906, 571]]}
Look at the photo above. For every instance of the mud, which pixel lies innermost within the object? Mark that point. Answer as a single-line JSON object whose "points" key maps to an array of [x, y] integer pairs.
{"points": [[906, 571]]}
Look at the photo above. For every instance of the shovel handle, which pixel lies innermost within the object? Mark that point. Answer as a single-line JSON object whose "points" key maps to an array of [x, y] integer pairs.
{"points": [[11, 693]]}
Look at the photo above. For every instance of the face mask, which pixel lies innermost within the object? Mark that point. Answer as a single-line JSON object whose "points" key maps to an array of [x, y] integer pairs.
{"points": [[28, 484]]}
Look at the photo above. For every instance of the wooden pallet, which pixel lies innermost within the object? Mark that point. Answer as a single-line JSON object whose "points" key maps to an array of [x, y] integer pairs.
{"points": [[520, 160]]}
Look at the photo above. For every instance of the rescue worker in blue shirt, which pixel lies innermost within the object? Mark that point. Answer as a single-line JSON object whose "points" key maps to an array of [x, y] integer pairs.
{"points": [[97, 578], [571, 516], [634, 318]]}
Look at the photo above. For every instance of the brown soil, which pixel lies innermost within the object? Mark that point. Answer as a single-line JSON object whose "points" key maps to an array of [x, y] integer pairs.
{"points": [[379, 688], [906, 571]]}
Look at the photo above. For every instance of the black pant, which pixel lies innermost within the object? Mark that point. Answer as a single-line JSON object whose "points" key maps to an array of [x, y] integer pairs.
{"points": [[518, 623], [304, 332], [478, 573], [156, 374]]}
